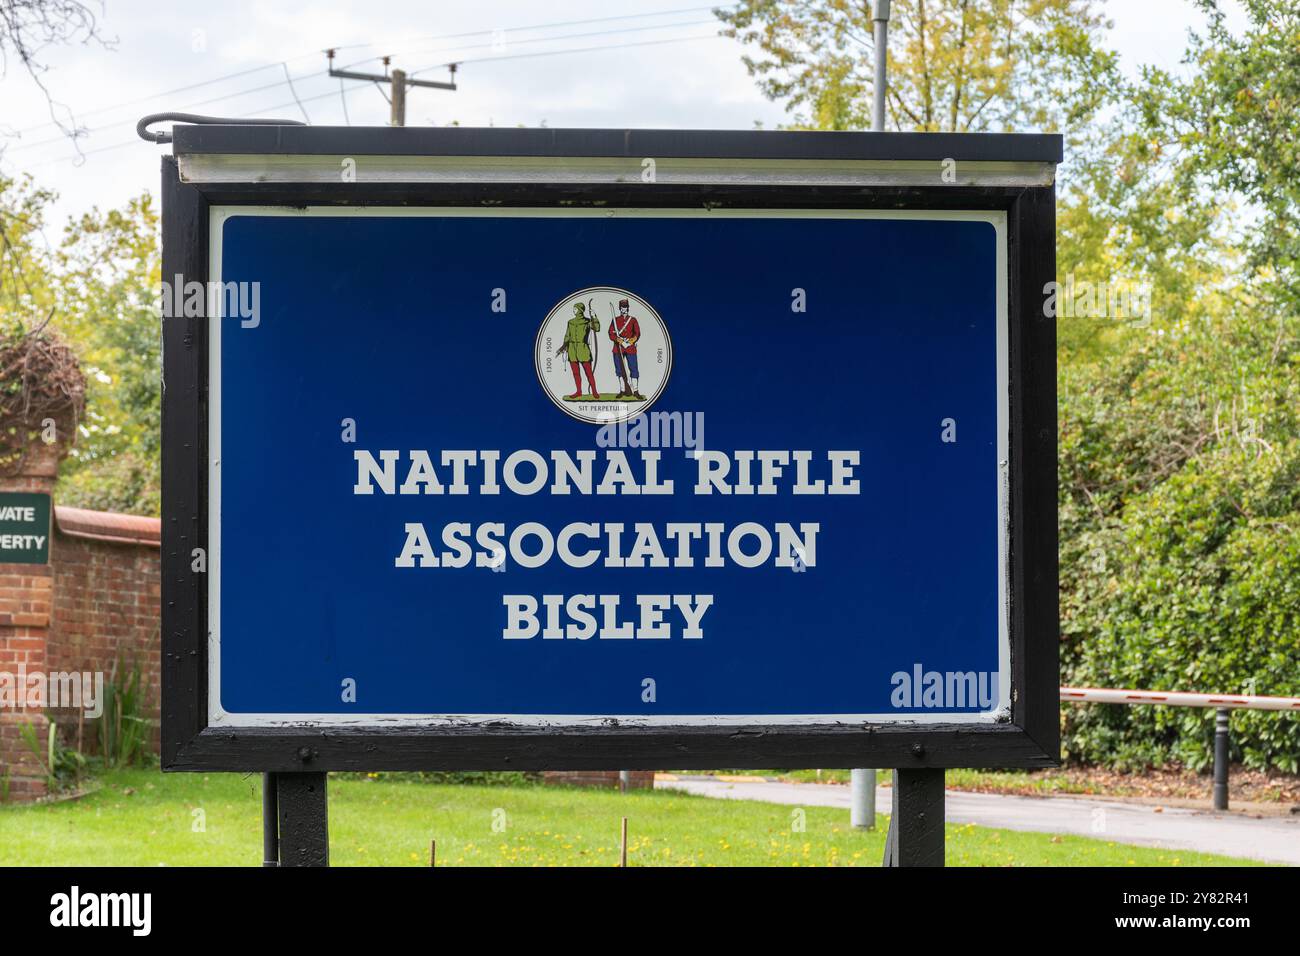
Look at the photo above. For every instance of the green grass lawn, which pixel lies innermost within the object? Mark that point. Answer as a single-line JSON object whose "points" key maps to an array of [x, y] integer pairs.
{"points": [[146, 818]]}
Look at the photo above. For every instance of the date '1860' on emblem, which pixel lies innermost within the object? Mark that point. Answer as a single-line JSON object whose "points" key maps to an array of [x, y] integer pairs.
{"points": [[603, 355]]}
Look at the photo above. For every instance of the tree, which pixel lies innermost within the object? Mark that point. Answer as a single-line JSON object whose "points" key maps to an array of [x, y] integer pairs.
{"points": [[954, 65], [25, 296], [98, 289], [1180, 451], [1180, 537], [1230, 128], [109, 271], [27, 28], [1126, 219]]}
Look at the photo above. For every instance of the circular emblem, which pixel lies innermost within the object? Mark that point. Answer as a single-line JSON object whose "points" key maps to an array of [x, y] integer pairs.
{"points": [[603, 355]]}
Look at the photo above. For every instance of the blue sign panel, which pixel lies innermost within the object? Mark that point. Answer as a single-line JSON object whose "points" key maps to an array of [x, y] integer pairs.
{"points": [[551, 466]]}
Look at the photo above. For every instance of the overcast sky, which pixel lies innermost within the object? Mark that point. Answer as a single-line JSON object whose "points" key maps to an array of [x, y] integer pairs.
{"points": [[592, 63]]}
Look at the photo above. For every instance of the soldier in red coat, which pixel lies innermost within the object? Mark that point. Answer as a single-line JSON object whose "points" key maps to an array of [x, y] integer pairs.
{"points": [[624, 331]]}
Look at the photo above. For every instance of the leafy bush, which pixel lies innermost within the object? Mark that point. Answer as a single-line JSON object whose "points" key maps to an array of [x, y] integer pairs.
{"points": [[1180, 540], [63, 765], [123, 730]]}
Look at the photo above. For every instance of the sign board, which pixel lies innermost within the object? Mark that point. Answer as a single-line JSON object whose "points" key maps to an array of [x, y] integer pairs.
{"points": [[24, 528], [747, 466]]}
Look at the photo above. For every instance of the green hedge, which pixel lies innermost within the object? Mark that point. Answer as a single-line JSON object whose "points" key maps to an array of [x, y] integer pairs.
{"points": [[1180, 541]]}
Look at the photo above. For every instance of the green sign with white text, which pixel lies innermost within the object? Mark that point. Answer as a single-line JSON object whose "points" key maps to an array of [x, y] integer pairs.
{"points": [[24, 528]]}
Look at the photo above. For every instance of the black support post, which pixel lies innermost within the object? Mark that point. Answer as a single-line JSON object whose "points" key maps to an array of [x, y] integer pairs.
{"points": [[1222, 727], [303, 819], [270, 821], [916, 821]]}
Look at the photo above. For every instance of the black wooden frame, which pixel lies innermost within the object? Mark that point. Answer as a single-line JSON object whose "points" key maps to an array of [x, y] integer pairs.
{"points": [[1029, 739]]}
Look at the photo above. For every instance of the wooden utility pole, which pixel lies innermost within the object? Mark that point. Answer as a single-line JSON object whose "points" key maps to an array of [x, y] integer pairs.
{"points": [[398, 81], [397, 114]]}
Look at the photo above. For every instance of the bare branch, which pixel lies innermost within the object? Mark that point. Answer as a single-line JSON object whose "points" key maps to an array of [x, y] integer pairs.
{"points": [[30, 27]]}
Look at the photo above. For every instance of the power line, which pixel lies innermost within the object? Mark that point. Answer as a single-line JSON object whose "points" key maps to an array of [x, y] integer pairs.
{"points": [[357, 86], [585, 49], [355, 46], [288, 78], [539, 26], [20, 147], [305, 99], [135, 141], [283, 64], [397, 82], [486, 59], [179, 89], [551, 39], [188, 107]]}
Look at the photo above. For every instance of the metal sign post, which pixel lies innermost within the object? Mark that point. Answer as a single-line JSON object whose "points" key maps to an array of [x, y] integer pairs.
{"points": [[862, 799], [862, 783], [711, 506], [880, 83]]}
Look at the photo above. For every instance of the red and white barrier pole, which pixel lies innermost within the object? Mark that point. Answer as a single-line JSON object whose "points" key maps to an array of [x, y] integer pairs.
{"points": [[1177, 698], [1224, 704]]}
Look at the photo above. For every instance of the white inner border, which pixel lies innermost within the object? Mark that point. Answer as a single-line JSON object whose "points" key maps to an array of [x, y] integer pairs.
{"points": [[218, 717]]}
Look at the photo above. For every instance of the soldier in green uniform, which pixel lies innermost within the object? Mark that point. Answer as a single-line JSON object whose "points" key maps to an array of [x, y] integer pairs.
{"points": [[579, 352]]}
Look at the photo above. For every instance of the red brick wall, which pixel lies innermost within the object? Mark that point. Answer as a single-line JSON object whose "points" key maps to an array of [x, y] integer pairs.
{"points": [[95, 606], [24, 614], [24, 618], [105, 612]]}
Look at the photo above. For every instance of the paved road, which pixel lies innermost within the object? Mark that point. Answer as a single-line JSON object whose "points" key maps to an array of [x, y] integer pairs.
{"points": [[1269, 838]]}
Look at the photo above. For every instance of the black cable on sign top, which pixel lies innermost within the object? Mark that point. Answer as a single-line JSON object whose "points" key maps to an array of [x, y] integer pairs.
{"points": [[142, 127]]}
